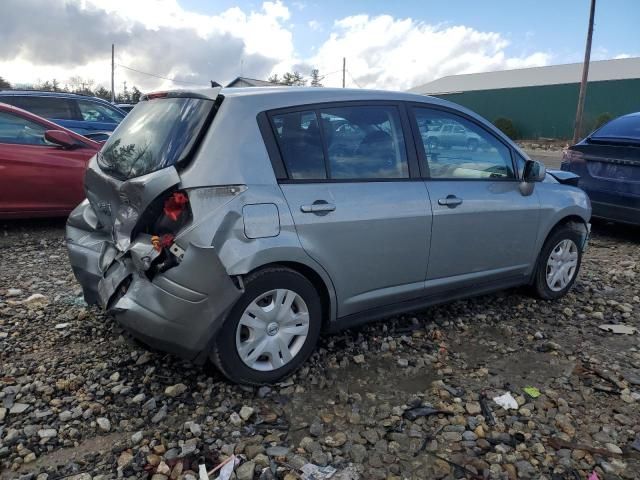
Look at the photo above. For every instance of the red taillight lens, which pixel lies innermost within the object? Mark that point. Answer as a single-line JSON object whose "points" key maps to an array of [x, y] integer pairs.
{"points": [[572, 156], [175, 205]]}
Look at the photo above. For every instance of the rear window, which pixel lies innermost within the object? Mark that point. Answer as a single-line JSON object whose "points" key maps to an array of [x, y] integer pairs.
{"points": [[624, 128], [156, 134]]}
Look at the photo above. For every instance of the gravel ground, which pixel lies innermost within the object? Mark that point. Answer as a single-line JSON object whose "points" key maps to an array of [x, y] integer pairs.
{"points": [[402, 398]]}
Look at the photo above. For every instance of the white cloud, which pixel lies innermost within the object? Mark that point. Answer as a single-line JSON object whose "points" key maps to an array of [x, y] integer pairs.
{"points": [[160, 36], [314, 25], [385, 52]]}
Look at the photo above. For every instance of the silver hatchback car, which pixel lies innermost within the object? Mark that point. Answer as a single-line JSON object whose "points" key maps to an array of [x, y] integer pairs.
{"points": [[237, 224]]}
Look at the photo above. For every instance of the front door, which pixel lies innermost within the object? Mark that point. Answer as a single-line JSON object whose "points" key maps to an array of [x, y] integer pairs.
{"points": [[484, 228], [36, 176], [359, 214]]}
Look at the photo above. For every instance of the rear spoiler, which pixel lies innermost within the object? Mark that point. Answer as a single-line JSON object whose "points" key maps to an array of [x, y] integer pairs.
{"points": [[566, 178]]}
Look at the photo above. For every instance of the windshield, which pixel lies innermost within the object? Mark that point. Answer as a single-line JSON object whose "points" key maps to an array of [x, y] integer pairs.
{"points": [[623, 128], [156, 134]]}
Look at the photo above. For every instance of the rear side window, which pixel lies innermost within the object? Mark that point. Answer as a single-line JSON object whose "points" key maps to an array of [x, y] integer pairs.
{"points": [[300, 145], [456, 148], [350, 143], [47, 107], [364, 142], [97, 112], [20, 131], [156, 134], [623, 128]]}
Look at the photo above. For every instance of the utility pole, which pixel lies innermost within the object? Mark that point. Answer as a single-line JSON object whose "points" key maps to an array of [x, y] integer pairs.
{"points": [[585, 76], [113, 91], [344, 69]]}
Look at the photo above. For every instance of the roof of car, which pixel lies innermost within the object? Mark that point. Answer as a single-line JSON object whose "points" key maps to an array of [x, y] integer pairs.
{"points": [[47, 93]]}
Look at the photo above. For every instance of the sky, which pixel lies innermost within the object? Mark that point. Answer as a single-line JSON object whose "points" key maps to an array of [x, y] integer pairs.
{"points": [[387, 44]]}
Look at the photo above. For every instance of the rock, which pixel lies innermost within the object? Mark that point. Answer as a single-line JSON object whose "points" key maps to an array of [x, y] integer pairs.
{"points": [[36, 300], [277, 451], [3, 413], [47, 433], [359, 359], [452, 436], [65, 416], [246, 471], [104, 424], [440, 468], [473, 408], [125, 459], [136, 438], [18, 408], [160, 415], [525, 469], [235, 419], [246, 412], [613, 448], [13, 292], [175, 390], [469, 436], [139, 398], [358, 453], [336, 440], [403, 362]]}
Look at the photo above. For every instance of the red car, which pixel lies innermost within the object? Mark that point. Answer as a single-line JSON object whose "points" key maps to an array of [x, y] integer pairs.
{"points": [[41, 165]]}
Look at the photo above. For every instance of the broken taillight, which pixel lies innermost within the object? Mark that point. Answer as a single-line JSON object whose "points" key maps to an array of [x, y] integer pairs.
{"points": [[175, 205]]}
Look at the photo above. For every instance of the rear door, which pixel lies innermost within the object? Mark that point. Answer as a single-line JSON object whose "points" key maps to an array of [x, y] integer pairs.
{"points": [[57, 109], [360, 209], [484, 229], [36, 176]]}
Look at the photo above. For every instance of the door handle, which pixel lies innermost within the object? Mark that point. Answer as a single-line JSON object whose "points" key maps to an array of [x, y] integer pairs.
{"points": [[319, 207], [451, 201]]}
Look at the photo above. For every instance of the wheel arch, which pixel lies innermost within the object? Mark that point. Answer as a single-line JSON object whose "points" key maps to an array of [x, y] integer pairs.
{"points": [[324, 287]]}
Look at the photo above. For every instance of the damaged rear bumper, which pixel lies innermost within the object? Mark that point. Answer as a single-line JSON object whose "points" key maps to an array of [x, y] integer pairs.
{"points": [[178, 311]]}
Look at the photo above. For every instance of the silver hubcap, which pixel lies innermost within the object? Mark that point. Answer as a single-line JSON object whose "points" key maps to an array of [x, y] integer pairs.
{"points": [[562, 265], [272, 330]]}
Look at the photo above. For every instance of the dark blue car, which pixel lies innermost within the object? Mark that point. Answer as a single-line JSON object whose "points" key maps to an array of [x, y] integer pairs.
{"points": [[83, 114], [608, 163]]}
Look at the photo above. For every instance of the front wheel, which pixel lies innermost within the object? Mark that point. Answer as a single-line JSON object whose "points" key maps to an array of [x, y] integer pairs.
{"points": [[559, 263], [272, 329]]}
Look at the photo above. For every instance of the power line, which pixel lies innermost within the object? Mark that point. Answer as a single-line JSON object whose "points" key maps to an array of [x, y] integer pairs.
{"points": [[159, 76], [353, 79]]}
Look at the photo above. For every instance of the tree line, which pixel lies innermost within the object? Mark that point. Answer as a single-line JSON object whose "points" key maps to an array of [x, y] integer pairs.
{"points": [[295, 79], [81, 86]]}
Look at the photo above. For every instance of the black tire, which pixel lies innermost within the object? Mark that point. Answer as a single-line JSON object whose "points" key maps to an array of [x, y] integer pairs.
{"points": [[224, 353], [472, 144], [540, 285]]}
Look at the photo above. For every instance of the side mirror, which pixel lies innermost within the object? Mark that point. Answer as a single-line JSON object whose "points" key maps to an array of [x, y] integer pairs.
{"points": [[60, 138], [534, 171]]}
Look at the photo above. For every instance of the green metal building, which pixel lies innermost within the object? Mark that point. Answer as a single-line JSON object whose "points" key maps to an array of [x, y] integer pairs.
{"points": [[541, 101]]}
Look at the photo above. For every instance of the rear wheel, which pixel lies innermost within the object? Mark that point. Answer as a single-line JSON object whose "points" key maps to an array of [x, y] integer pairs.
{"points": [[559, 263], [272, 329]]}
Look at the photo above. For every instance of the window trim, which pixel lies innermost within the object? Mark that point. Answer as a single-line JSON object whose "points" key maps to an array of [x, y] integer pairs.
{"points": [[422, 155], [268, 131]]}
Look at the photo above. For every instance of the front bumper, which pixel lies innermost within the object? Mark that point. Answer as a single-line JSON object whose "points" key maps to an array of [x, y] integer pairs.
{"points": [[178, 311]]}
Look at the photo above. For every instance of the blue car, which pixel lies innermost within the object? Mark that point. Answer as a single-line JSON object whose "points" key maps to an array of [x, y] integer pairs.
{"points": [[608, 163], [90, 116]]}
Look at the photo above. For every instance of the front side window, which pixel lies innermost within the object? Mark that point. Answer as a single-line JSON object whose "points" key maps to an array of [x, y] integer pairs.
{"points": [[97, 112], [300, 145], [47, 107], [459, 149], [364, 142], [158, 133], [20, 131]]}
